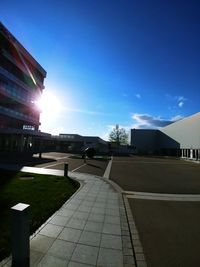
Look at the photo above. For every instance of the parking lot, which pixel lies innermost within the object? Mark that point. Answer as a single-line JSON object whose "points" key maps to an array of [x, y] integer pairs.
{"points": [[169, 230], [157, 175]]}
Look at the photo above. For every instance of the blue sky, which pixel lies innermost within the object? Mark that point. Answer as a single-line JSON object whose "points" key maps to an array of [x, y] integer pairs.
{"points": [[127, 62]]}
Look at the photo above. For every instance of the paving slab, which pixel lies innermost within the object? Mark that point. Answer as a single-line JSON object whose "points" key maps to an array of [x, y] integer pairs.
{"points": [[88, 230]]}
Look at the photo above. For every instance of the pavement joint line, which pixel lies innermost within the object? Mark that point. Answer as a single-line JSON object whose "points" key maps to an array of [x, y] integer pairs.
{"points": [[191, 160], [59, 163], [154, 162], [62, 158], [49, 157], [139, 256], [51, 165], [162, 197], [108, 169], [79, 167], [159, 194]]}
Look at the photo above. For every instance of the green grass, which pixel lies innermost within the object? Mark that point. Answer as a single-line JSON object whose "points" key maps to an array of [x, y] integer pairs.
{"points": [[45, 194]]}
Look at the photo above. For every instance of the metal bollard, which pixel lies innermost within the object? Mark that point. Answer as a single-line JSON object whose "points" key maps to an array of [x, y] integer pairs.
{"points": [[66, 170], [20, 246]]}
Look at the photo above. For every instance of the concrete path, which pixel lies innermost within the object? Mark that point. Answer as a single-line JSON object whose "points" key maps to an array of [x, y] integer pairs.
{"points": [[90, 229]]}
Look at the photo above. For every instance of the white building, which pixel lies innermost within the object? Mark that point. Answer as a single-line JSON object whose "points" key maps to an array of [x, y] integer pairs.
{"points": [[181, 138]]}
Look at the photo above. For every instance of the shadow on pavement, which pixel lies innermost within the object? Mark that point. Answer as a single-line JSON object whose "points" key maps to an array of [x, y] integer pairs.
{"points": [[92, 165], [24, 161]]}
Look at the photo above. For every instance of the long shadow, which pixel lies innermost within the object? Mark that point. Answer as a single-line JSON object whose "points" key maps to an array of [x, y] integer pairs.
{"points": [[100, 159], [35, 161], [92, 165], [17, 163]]}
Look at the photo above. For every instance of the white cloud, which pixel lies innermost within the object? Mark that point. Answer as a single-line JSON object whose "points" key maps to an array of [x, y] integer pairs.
{"points": [[180, 104], [181, 98], [177, 118], [146, 121], [138, 96], [179, 101]]}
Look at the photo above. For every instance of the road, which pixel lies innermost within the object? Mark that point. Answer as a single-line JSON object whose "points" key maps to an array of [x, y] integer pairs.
{"points": [[145, 174], [55, 160], [169, 230]]}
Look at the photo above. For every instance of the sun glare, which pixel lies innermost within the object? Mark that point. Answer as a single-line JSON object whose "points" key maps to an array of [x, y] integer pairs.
{"points": [[49, 105]]}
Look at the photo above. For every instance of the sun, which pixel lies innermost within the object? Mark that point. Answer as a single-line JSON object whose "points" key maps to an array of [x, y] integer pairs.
{"points": [[49, 104]]}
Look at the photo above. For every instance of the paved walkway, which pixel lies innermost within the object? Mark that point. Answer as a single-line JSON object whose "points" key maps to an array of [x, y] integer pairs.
{"points": [[90, 229]]}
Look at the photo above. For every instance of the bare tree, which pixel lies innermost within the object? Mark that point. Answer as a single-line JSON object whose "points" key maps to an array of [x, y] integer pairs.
{"points": [[118, 135]]}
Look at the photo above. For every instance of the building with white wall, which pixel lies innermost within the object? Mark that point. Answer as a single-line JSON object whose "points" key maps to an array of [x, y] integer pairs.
{"points": [[187, 133], [181, 138]]}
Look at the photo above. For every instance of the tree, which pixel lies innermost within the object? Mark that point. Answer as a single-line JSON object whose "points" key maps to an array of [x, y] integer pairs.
{"points": [[118, 135]]}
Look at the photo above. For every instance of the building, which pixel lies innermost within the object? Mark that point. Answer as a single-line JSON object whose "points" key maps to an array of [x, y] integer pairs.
{"points": [[96, 142], [69, 143], [181, 138], [186, 133], [21, 84], [77, 143]]}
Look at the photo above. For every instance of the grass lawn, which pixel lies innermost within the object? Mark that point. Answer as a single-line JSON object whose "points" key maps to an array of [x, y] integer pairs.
{"points": [[44, 193]]}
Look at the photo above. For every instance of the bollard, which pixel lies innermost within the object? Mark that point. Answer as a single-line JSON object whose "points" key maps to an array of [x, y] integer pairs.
{"points": [[20, 246], [66, 170]]}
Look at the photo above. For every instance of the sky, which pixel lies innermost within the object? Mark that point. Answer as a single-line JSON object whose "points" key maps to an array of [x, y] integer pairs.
{"points": [[135, 63]]}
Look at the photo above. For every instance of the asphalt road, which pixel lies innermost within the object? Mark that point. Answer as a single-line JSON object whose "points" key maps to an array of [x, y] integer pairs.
{"points": [[145, 174], [92, 166], [169, 230]]}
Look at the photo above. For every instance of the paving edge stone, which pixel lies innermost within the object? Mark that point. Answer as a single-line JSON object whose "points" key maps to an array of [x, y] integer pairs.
{"points": [[129, 259], [82, 183], [135, 239], [7, 260]]}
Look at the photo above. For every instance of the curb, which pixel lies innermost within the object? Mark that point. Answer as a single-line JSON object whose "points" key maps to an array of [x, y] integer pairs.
{"points": [[132, 247], [108, 169], [135, 239]]}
